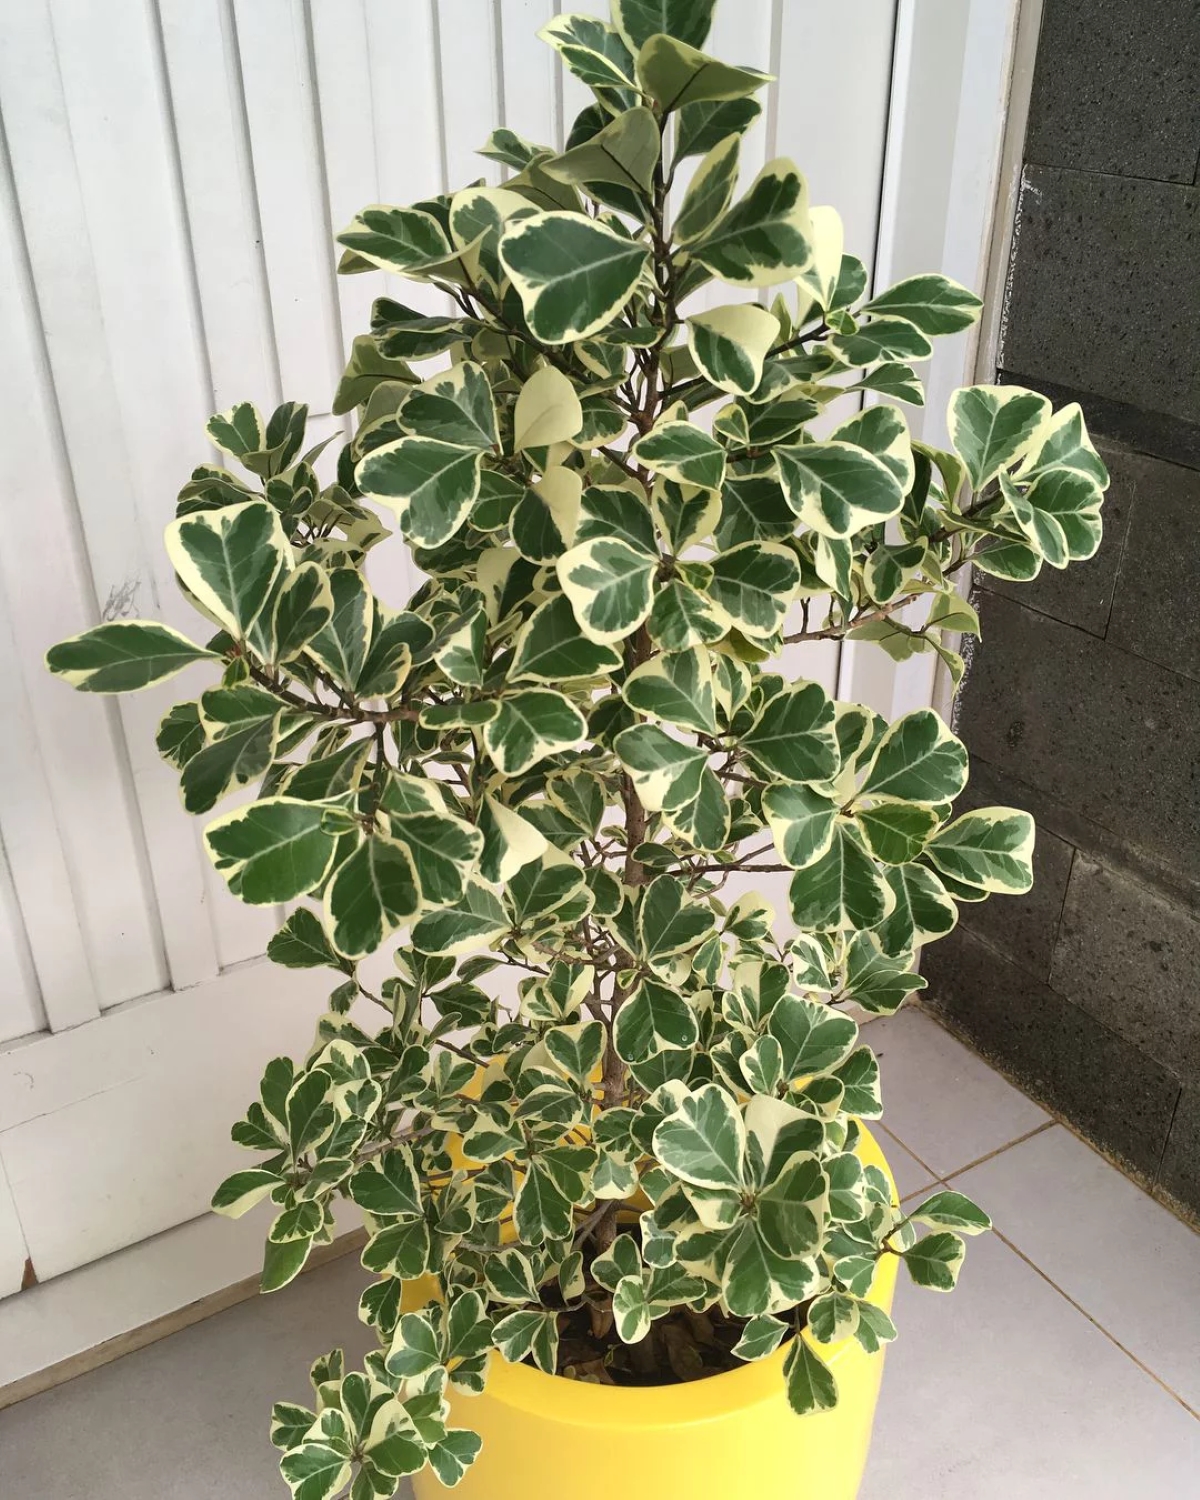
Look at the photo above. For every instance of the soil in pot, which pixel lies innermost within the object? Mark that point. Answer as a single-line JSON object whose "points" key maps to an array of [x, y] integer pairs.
{"points": [[680, 1347]]}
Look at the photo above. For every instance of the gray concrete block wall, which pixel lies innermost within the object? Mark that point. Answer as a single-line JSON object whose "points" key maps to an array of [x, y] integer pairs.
{"points": [[1108, 292], [1116, 89], [1083, 700]]}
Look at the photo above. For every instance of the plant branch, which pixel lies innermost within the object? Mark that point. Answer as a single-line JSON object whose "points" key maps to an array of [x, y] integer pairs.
{"points": [[837, 632], [348, 712]]}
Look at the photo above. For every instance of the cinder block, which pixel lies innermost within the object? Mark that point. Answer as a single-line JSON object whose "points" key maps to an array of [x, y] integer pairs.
{"points": [[1116, 88], [1111, 738], [1104, 293], [1131, 958], [1156, 609]]}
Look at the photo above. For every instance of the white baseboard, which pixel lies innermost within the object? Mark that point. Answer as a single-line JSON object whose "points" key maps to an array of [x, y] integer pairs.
{"points": [[87, 1317]]}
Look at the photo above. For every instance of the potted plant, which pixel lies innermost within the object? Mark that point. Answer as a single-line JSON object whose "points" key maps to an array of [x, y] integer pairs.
{"points": [[604, 1121]]}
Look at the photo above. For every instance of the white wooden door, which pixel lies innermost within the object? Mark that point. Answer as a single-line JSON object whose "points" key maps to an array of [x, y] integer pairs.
{"points": [[171, 173]]}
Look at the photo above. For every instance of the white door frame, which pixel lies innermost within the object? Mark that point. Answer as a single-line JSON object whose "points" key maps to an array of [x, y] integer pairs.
{"points": [[953, 92]]}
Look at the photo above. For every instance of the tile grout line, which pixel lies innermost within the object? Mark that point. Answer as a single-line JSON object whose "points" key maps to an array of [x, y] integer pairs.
{"points": [[1043, 614], [945, 1177], [1064, 171], [1000, 1150], [1123, 650], [934, 1180], [1095, 1322], [944, 1181]]}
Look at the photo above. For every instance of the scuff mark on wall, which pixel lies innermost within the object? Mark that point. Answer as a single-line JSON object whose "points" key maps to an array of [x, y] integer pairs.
{"points": [[121, 601]]}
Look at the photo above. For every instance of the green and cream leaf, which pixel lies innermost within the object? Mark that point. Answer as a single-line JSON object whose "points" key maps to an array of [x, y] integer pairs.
{"points": [[430, 484], [729, 344], [230, 561], [917, 760], [532, 724], [685, 20], [753, 586], [766, 237], [552, 648], [934, 304], [273, 850], [990, 849], [610, 586], [573, 275], [123, 656], [548, 410], [676, 74], [676, 688], [837, 488], [993, 426], [710, 191]]}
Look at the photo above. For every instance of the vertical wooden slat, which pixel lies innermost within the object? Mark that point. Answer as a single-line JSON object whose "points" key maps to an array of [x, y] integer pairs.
{"points": [[222, 209], [45, 977], [745, 35], [866, 674], [982, 73], [13, 1249], [236, 354], [342, 49], [358, 96], [948, 101], [531, 82], [843, 165], [472, 104], [838, 142], [742, 35], [63, 992], [145, 389], [950, 72], [916, 184], [405, 94], [21, 1010], [281, 107], [57, 384]]}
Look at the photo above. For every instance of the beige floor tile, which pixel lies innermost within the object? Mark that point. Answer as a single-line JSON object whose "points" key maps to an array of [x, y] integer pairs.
{"points": [[1004, 1391], [1127, 1261]]}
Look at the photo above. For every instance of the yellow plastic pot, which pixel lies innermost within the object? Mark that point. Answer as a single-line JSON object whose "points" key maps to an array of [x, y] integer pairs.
{"points": [[728, 1437]]}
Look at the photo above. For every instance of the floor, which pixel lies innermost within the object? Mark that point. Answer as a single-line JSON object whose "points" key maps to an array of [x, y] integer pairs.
{"points": [[1065, 1367]]}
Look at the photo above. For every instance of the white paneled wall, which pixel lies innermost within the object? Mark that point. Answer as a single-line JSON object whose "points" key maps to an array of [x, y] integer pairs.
{"points": [[171, 175]]}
